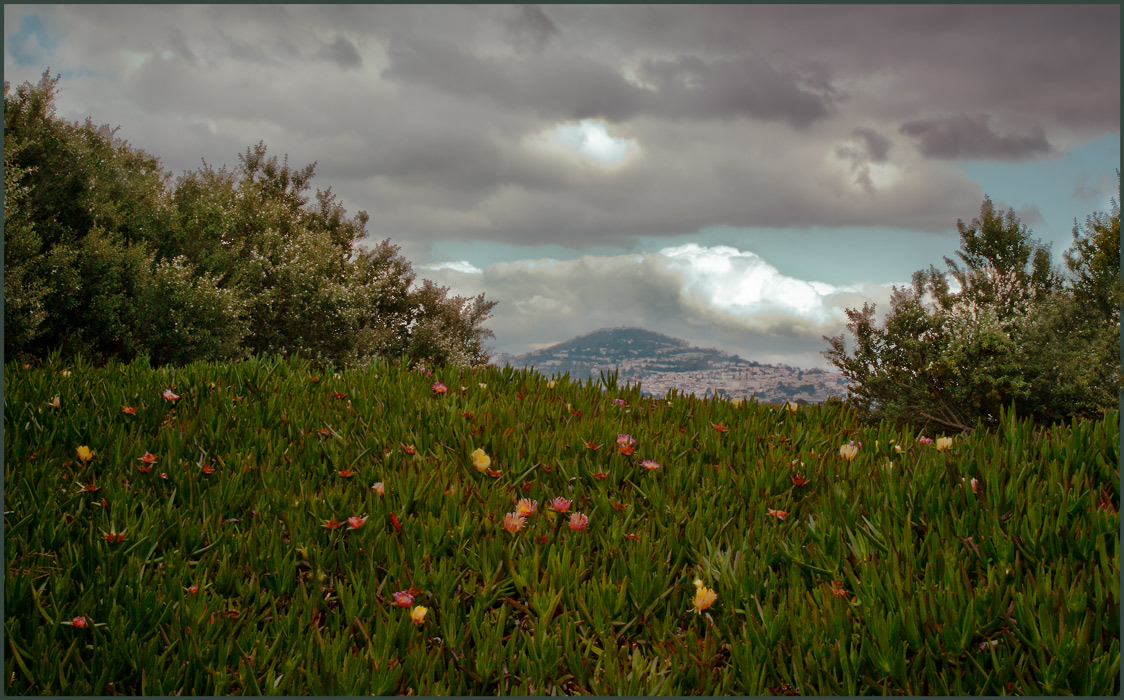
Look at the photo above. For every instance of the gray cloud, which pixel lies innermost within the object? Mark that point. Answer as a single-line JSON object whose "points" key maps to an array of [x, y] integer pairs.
{"points": [[971, 137], [531, 30], [1088, 189], [343, 53]]}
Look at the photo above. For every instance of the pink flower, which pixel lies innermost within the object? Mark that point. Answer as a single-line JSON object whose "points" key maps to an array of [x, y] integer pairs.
{"points": [[379, 488], [439, 388], [513, 522], [403, 599], [650, 465], [79, 622], [620, 402], [578, 522], [355, 522], [560, 505], [626, 444], [171, 395], [925, 440]]}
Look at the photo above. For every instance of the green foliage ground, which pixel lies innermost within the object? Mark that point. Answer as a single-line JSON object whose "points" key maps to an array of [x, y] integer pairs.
{"points": [[888, 573]]}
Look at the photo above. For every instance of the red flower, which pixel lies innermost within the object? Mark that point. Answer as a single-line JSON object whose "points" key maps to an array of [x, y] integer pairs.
{"points": [[147, 458], [408, 449], [171, 395], [131, 410], [114, 537], [632, 536], [719, 427], [778, 514], [338, 395], [346, 473], [542, 539], [799, 480], [355, 522], [494, 473], [144, 468], [208, 469], [600, 475], [332, 524], [90, 488], [79, 622], [394, 523], [193, 588], [591, 445], [325, 432]]}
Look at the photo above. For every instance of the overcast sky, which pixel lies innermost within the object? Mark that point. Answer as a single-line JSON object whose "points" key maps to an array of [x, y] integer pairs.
{"points": [[735, 175]]}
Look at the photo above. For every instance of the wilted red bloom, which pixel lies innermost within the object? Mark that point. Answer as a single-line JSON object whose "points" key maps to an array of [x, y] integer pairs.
{"points": [[131, 410], [171, 395], [90, 488], [144, 468], [650, 465], [313, 379], [355, 522], [236, 399], [408, 449], [591, 445], [719, 427], [193, 588], [620, 507], [332, 524], [325, 432], [114, 537], [338, 395], [632, 536], [439, 388], [600, 475], [527, 486], [163, 475], [79, 622], [208, 469], [627, 449], [578, 522], [542, 539], [394, 523], [147, 458], [778, 514], [561, 505], [403, 599], [346, 473], [799, 480], [837, 589], [494, 473]]}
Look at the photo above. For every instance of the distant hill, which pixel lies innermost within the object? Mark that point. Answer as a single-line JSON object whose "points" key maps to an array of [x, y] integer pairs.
{"points": [[660, 362]]}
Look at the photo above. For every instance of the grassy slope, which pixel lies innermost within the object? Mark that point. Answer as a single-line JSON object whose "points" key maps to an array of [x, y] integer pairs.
{"points": [[888, 573]]}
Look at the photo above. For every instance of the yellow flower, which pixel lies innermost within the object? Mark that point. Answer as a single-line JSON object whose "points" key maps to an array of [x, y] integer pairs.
{"points": [[848, 452], [85, 453], [66, 373], [480, 459], [791, 407], [704, 598], [418, 614], [55, 401], [513, 522], [483, 385], [526, 507], [944, 443], [737, 402], [550, 384]]}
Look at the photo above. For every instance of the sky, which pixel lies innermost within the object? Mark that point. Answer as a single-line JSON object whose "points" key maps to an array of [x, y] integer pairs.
{"points": [[734, 175]]}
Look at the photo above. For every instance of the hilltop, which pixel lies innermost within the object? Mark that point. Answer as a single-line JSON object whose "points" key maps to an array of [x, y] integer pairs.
{"points": [[660, 362]]}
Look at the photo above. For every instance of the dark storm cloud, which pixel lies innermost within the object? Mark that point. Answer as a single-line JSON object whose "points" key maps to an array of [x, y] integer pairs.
{"points": [[971, 137], [877, 146], [343, 53], [531, 29]]}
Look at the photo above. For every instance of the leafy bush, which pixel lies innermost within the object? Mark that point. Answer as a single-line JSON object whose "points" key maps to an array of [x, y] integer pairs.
{"points": [[1011, 335]]}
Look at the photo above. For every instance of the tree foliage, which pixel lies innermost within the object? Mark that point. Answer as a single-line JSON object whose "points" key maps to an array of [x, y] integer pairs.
{"points": [[1015, 332], [106, 255]]}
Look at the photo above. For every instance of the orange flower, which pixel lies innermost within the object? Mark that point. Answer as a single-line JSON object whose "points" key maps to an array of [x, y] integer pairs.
{"points": [[85, 453], [704, 598], [171, 395], [591, 445], [578, 522], [355, 522], [560, 505], [208, 469], [332, 524], [147, 458], [626, 444], [379, 488], [778, 514], [347, 472], [526, 507], [513, 522], [131, 410], [719, 427]]}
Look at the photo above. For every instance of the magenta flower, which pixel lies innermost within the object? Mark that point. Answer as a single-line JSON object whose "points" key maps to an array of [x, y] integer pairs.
{"points": [[439, 388], [403, 599], [650, 465], [578, 522]]}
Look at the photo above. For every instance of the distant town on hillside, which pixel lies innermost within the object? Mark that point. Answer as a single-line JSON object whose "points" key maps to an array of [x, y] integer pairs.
{"points": [[659, 363]]}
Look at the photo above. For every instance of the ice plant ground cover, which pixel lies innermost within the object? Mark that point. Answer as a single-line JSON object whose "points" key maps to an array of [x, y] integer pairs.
{"points": [[222, 550]]}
